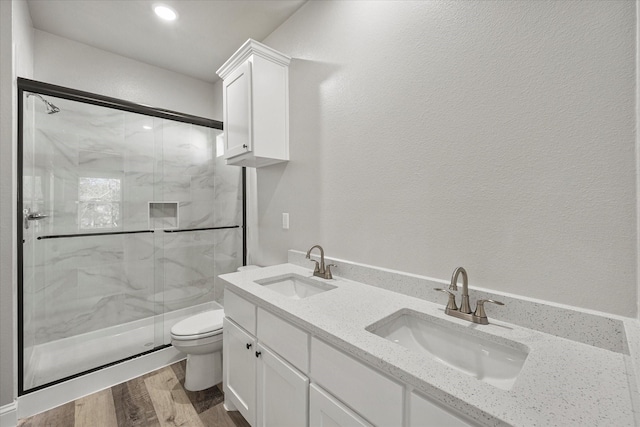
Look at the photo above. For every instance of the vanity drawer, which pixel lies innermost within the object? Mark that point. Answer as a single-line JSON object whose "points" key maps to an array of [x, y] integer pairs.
{"points": [[423, 410], [240, 310], [285, 339], [374, 396]]}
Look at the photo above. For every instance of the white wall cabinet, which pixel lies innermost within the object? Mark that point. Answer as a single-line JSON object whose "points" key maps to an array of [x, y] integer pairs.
{"points": [[256, 106], [327, 411], [237, 112]]}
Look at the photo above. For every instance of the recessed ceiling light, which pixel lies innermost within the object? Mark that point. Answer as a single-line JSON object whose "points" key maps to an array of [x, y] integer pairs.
{"points": [[165, 12]]}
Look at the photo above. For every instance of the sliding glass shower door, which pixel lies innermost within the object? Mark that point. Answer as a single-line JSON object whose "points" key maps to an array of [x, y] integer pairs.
{"points": [[127, 219]]}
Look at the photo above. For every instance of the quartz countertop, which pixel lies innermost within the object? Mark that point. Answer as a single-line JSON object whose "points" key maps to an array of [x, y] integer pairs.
{"points": [[562, 382]]}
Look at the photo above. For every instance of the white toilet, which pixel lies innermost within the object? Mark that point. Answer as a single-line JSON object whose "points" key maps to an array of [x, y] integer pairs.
{"points": [[200, 337]]}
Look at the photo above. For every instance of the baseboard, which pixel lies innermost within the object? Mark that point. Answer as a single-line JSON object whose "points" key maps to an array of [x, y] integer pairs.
{"points": [[9, 415]]}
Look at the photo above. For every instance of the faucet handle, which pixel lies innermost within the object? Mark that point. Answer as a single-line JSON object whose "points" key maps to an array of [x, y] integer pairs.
{"points": [[317, 267], [451, 304], [480, 307], [327, 271]]}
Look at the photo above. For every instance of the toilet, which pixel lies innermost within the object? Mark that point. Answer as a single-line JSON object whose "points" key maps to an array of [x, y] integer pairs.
{"points": [[200, 338]]}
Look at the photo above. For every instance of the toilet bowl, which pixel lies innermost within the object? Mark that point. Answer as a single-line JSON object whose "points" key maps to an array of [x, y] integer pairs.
{"points": [[200, 338]]}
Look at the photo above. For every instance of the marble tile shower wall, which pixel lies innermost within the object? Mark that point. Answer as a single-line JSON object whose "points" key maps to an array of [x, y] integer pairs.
{"points": [[90, 283]]}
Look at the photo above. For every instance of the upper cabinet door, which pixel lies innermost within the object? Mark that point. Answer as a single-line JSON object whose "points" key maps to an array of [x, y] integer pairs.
{"points": [[237, 100]]}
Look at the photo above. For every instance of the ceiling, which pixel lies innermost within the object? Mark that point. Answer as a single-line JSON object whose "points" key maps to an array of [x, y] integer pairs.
{"points": [[205, 35]]}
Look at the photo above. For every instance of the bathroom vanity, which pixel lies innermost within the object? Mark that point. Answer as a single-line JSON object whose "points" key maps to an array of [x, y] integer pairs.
{"points": [[301, 350]]}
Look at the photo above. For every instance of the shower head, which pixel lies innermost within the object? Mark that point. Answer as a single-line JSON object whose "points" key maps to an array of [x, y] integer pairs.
{"points": [[51, 109]]}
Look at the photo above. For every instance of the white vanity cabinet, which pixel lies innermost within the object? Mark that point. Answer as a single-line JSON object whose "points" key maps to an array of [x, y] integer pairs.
{"points": [[423, 412], [374, 396], [327, 411], [260, 380], [377, 399], [240, 370], [282, 392], [277, 375], [256, 106]]}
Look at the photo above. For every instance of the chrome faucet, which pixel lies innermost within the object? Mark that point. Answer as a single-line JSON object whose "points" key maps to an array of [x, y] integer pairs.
{"points": [[464, 312], [320, 270]]}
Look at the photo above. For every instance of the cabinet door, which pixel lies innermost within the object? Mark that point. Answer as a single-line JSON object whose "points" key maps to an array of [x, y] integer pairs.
{"points": [[282, 392], [327, 411], [238, 111], [240, 369]]}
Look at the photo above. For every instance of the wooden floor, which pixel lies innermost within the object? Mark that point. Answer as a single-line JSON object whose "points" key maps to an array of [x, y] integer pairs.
{"points": [[155, 399]]}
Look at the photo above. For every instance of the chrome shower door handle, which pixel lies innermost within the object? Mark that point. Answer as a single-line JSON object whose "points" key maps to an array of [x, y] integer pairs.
{"points": [[32, 216], [36, 216]]}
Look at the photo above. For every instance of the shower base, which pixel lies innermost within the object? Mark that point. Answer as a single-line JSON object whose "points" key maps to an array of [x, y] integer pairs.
{"points": [[63, 358]]}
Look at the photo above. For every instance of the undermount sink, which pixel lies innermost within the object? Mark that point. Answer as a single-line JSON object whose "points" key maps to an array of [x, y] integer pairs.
{"points": [[295, 286], [496, 363]]}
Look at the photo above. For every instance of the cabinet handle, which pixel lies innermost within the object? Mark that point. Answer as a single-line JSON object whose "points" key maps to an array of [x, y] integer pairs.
{"points": [[244, 146], [258, 353], [249, 346]]}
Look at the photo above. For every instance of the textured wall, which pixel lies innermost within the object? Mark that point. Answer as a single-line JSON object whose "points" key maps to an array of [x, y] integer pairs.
{"points": [[494, 135], [6, 213], [68, 63], [638, 155]]}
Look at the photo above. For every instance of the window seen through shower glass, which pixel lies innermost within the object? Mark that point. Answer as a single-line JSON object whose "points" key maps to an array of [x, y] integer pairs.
{"points": [[99, 203]]}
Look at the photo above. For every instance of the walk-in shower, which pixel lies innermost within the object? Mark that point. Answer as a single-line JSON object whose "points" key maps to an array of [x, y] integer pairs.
{"points": [[127, 218]]}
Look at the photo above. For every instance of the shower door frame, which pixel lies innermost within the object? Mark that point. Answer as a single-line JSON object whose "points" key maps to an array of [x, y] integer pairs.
{"points": [[27, 85]]}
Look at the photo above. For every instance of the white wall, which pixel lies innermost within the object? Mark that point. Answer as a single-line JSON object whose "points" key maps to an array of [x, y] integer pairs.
{"points": [[638, 154], [16, 34], [494, 135], [6, 193], [75, 65], [23, 38], [218, 114]]}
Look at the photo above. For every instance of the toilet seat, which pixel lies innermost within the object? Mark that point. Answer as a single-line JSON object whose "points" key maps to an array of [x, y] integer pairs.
{"points": [[203, 325]]}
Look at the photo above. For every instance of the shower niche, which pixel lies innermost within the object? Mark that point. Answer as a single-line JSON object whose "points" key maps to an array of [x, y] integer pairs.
{"points": [[132, 216], [163, 215]]}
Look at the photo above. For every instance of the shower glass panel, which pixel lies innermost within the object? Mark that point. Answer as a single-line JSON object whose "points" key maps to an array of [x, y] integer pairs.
{"points": [[127, 219]]}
